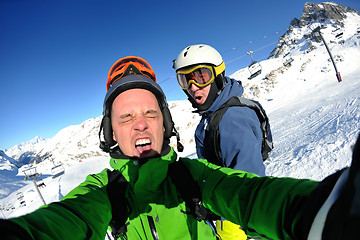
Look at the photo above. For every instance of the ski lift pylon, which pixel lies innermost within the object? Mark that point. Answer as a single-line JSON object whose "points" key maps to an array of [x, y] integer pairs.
{"points": [[31, 173], [317, 37], [317, 32]]}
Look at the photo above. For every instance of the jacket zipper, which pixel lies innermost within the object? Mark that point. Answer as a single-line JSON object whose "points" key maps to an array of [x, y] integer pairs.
{"points": [[152, 228]]}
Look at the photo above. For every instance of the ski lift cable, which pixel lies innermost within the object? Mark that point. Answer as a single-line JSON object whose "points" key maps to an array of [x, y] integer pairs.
{"points": [[168, 78], [265, 46], [256, 50], [251, 41], [171, 89], [252, 52], [236, 59], [262, 58]]}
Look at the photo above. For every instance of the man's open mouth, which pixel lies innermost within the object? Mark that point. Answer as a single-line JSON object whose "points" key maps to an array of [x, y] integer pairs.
{"points": [[143, 145]]}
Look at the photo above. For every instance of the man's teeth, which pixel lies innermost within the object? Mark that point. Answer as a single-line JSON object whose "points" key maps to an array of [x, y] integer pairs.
{"points": [[142, 142]]}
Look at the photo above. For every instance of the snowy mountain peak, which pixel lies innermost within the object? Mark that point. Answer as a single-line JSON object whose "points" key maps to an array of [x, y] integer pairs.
{"points": [[326, 15], [25, 145], [23, 153], [322, 12]]}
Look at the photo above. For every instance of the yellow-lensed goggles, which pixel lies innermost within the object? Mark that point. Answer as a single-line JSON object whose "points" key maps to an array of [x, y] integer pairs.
{"points": [[200, 75]]}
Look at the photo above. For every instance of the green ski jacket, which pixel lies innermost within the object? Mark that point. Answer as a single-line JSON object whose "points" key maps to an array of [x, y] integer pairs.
{"points": [[262, 206]]}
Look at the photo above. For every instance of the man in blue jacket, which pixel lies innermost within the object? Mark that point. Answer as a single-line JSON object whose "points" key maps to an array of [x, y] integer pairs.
{"points": [[200, 71], [240, 133]]}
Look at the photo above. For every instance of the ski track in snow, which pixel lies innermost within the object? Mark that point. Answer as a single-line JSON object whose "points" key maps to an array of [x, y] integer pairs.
{"points": [[313, 138]]}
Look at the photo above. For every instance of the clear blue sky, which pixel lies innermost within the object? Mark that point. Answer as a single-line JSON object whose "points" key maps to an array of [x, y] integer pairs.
{"points": [[55, 55]]}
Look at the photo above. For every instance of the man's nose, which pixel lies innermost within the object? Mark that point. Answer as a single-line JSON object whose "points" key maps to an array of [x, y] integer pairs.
{"points": [[141, 123], [193, 87]]}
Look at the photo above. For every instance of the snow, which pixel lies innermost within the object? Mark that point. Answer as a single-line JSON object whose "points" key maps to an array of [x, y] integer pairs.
{"points": [[314, 120]]}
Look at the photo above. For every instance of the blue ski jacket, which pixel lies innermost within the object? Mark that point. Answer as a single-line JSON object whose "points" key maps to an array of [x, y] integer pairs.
{"points": [[240, 133]]}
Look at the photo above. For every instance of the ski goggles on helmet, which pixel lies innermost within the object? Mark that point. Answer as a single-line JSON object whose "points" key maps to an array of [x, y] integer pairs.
{"points": [[200, 75], [129, 65]]}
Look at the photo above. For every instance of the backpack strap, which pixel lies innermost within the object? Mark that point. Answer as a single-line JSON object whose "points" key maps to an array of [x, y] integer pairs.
{"points": [[186, 186], [116, 189], [267, 141], [189, 190], [212, 134]]}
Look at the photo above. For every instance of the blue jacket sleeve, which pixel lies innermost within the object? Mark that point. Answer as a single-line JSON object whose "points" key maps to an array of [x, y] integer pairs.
{"points": [[241, 140]]}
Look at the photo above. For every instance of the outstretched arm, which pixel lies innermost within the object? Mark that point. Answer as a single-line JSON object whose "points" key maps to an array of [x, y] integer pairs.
{"points": [[268, 207], [84, 213]]}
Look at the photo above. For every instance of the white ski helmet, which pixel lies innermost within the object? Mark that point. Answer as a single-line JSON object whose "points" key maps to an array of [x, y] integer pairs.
{"points": [[197, 54]]}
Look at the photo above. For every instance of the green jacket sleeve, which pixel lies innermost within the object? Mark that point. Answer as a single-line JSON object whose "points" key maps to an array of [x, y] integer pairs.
{"points": [[84, 213], [269, 207]]}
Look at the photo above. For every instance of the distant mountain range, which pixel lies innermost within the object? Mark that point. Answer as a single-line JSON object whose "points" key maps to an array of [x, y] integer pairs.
{"points": [[73, 143]]}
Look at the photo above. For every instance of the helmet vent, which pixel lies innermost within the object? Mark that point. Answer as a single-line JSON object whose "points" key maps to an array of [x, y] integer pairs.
{"points": [[186, 52]]}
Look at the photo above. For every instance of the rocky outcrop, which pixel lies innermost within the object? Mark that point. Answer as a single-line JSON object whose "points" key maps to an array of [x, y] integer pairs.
{"points": [[326, 12]]}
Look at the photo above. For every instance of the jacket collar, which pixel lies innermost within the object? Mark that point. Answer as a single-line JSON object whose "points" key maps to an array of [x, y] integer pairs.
{"points": [[130, 167], [232, 88]]}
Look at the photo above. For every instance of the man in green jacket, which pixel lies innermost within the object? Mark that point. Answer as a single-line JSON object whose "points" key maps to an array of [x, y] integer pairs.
{"points": [[137, 119]]}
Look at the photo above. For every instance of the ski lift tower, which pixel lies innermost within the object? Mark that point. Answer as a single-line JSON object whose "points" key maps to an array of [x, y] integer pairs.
{"points": [[317, 34], [32, 174]]}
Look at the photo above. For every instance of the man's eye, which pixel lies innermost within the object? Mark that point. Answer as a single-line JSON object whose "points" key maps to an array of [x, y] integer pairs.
{"points": [[125, 119], [151, 115]]}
